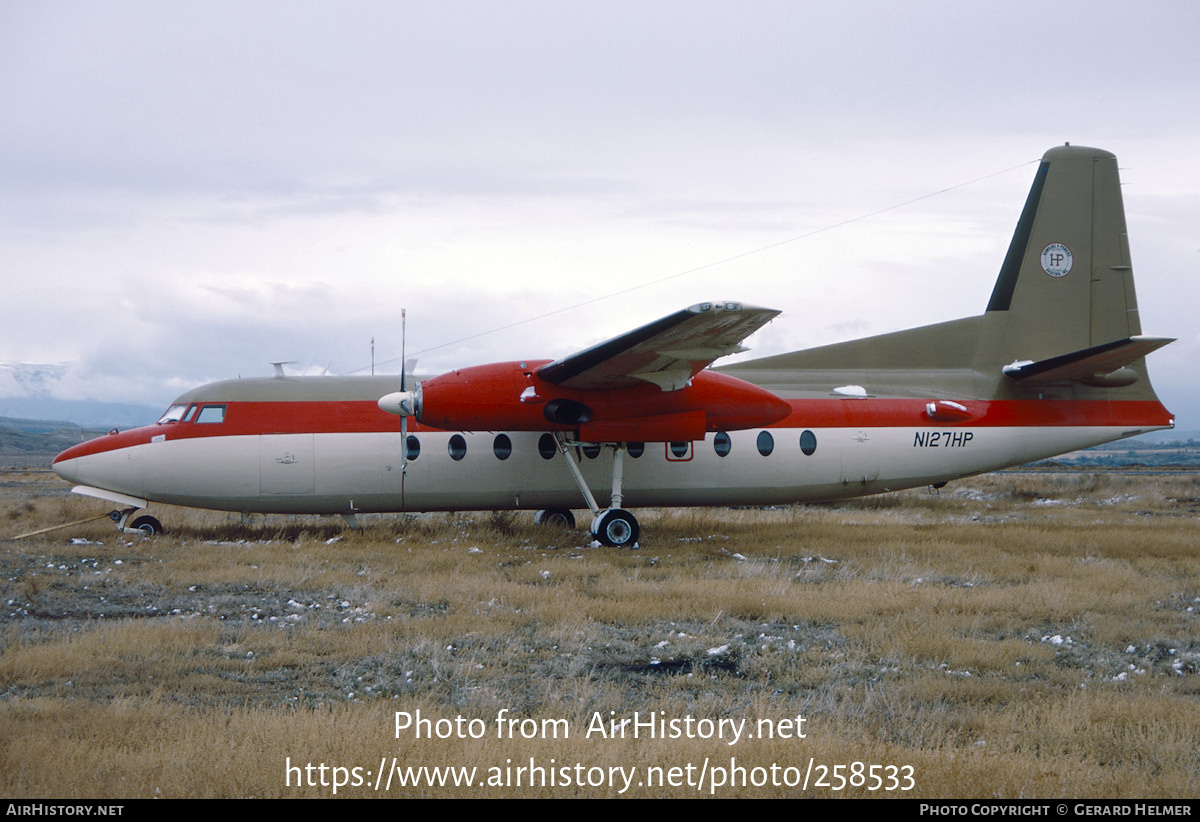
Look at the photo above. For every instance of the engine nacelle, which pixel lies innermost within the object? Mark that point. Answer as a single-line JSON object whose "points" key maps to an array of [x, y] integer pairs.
{"points": [[511, 397]]}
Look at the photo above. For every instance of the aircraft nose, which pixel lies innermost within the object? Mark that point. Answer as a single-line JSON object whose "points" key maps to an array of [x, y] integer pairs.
{"points": [[113, 462], [66, 467], [85, 458]]}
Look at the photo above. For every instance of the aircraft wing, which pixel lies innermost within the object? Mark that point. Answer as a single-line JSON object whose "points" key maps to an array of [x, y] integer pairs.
{"points": [[1087, 363], [667, 352]]}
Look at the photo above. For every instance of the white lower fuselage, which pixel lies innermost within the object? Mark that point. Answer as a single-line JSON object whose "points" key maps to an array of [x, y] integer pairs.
{"points": [[364, 471]]}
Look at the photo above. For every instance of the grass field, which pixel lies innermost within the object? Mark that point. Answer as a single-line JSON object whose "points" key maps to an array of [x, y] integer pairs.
{"points": [[1016, 635]]}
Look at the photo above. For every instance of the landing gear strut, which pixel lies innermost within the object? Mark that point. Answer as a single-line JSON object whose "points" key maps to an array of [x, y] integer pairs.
{"points": [[613, 526]]}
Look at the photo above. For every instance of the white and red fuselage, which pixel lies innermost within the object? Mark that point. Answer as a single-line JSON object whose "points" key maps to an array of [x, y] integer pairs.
{"points": [[322, 445]]}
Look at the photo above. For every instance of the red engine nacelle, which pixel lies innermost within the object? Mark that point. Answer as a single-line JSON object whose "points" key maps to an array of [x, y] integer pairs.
{"points": [[511, 397]]}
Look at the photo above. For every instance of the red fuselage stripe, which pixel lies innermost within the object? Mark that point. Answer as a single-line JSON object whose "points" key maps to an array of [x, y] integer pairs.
{"points": [[349, 417]]}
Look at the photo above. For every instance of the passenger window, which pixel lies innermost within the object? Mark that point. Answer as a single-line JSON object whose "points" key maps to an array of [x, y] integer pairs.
{"points": [[766, 443], [457, 447], [591, 451], [502, 447], [547, 447], [211, 413], [414, 447], [722, 444], [635, 449], [808, 443], [679, 451]]}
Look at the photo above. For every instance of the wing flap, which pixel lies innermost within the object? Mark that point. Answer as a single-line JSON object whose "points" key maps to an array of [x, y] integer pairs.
{"points": [[667, 352]]}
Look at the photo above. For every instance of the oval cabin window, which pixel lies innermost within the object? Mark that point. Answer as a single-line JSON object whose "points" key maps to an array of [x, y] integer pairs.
{"points": [[722, 444], [808, 443], [502, 447], [766, 443]]}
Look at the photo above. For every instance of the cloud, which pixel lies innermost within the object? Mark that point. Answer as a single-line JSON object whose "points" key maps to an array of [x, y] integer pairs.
{"points": [[188, 192]]}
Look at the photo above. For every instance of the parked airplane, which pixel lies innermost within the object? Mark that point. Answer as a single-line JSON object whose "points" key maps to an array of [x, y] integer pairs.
{"points": [[1055, 363]]}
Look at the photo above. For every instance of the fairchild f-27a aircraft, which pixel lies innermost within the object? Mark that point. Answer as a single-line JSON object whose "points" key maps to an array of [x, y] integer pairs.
{"points": [[1055, 363]]}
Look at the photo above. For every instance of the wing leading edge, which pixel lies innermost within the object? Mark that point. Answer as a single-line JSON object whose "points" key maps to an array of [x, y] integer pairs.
{"points": [[666, 353]]}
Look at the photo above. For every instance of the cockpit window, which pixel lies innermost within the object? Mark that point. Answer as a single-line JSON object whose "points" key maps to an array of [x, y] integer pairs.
{"points": [[191, 412], [173, 414], [211, 413]]}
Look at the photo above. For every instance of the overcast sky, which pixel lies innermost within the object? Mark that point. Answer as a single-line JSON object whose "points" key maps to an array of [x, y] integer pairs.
{"points": [[190, 190]]}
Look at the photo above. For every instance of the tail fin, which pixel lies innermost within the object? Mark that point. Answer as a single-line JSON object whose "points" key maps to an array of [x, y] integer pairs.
{"points": [[1066, 283], [1062, 319]]}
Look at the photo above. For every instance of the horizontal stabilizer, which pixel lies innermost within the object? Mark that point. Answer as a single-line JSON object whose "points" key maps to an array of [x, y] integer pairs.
{"points": [[1090, 365]]}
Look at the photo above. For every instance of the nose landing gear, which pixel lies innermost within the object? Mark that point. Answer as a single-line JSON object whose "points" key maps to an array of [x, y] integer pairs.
{"points": [[145, 525]]}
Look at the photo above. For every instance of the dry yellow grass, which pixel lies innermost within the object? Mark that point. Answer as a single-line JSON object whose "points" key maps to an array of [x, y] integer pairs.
{"points": [[1013, 636]]}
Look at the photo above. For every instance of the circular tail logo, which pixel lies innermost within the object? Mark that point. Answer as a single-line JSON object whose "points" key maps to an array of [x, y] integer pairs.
{"points": [[1057, 260]]}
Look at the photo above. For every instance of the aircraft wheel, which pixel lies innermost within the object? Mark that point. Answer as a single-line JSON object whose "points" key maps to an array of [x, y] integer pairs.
{"points": [[147, 525], [616, 527], [555, 517]]}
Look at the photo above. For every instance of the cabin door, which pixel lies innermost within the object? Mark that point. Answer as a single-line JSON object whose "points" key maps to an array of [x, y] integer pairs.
{"points": [[286, 464]]}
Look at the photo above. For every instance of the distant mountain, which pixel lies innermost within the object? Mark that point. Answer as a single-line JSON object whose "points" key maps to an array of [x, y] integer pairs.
{"points": [[28, 391], [80, 412], [28, 443]]}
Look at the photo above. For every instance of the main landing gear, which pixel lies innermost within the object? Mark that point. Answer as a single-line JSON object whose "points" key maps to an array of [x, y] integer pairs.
{"points": [[555, 517], [145, 525], [613, 526], [616, 527]]}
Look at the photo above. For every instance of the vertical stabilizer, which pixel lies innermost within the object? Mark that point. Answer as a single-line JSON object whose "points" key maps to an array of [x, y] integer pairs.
{"points": [[1066, 283], [1062, 321]]}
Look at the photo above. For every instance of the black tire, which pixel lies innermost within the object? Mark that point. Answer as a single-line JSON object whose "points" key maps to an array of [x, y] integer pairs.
{"points": [[616, 528], [555, 517], [147, 525]]}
